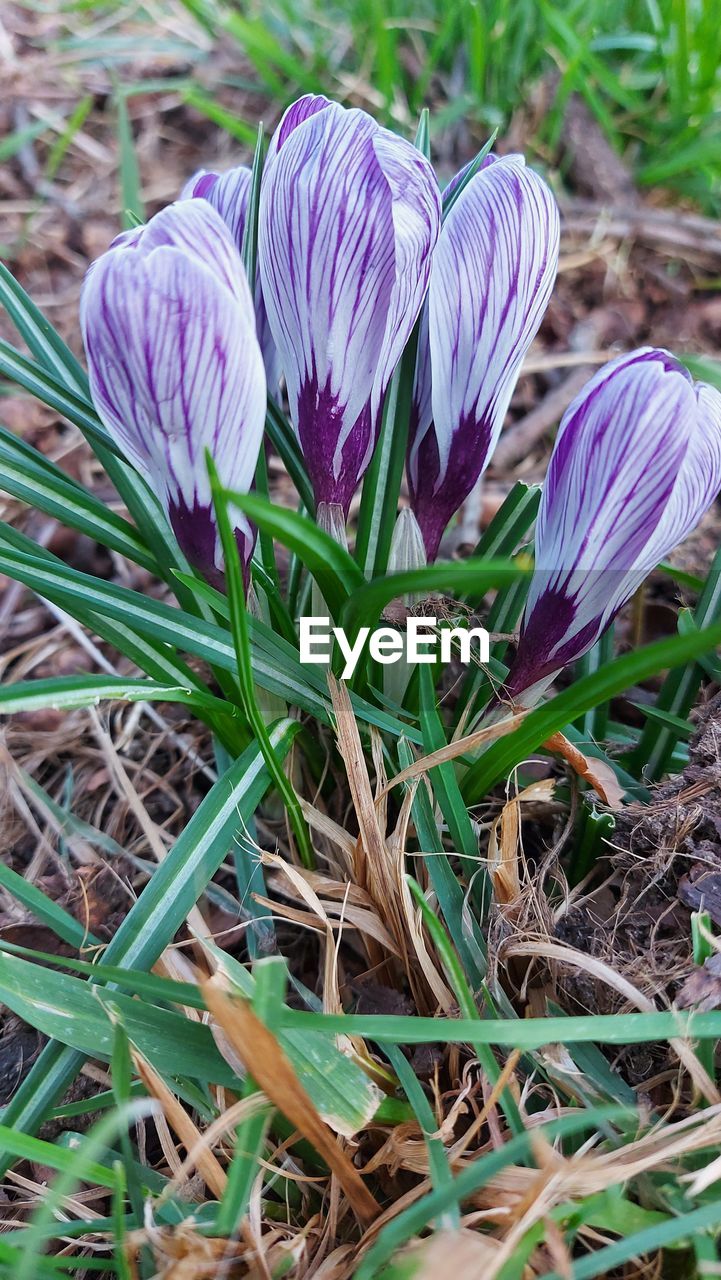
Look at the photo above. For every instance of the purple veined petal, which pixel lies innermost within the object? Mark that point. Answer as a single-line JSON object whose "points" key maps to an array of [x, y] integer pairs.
{"points": [[620, 453], [699, 479], [416, 211], [175, 368], [199, 185], [196, 235], [421, 408], [342, 250], [491, 279], [294, 115], [228, 193], [486, 162]]}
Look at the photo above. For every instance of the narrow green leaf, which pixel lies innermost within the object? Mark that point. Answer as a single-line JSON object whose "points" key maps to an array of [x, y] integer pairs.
{"points": [[44, 909], [27, 475], [84, 1158], [661, 1235], [83, 1016], [451, 898], [241, 641], [53, 392], [503, 755], [276, 665], [131, 204], [159, 911], [382, 482], [23, 1147], [449, 198], [42, 340], [285, 443], [518, 1033], [652, 756], [511, 522], [467, 577], [331, 566], [64, 693]]}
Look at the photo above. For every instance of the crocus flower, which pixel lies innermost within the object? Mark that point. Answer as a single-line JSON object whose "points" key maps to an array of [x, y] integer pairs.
{"points": [[491, 279], [229, 193], [349, 216], [175, 367], [636, 463]]}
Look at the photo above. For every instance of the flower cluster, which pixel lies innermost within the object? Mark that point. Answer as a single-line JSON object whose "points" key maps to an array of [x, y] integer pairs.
{"points": [[357, 249]]}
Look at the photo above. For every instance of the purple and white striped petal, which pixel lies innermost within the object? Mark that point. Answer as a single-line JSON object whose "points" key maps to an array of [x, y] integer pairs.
{"points": [[637, 461], [349, 216], [491, 280], [297, 113], [228, 193], [175, 367]]}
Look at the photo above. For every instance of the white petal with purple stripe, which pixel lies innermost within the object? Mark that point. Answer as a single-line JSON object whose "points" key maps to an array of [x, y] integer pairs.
{"points": [[637, 461], [491, 280], [175, 366], [349, 215]]}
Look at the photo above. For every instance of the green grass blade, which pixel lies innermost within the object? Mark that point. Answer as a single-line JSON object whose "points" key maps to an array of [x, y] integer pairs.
{"points": [[65, 693], [48, 388], [679, 690], [41, 338], [503, 756], [84, 1016], [284, 441], [241, 640], [44, 909], [462, 925], [159, 911], [27, 475], [382, 482], [511, 522], [468, 577], [131, 204], [661, 1235], [276, 665], [438, 1166], [331, 566]]}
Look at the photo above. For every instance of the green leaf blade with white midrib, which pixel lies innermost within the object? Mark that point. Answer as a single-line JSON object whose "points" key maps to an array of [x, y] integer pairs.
{"points": [[160, 910], [42, 339], [80, 1015], [27, 476], [599, 686], [66, 693], [162, 622]]}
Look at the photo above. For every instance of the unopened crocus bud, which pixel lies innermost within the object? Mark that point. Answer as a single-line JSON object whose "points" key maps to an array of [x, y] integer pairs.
{"points": [[491, 279], [175, 367], [349, 216], [229, 193], [636, 463]]}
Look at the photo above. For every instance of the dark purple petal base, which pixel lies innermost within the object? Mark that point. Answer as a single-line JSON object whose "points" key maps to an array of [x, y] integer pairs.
{"points": [[551, 619], [196, 532], [320, 422], [434, 509]]}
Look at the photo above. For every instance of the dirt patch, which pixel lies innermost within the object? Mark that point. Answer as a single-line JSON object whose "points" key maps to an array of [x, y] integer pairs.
{"points": [[664, 861]]}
